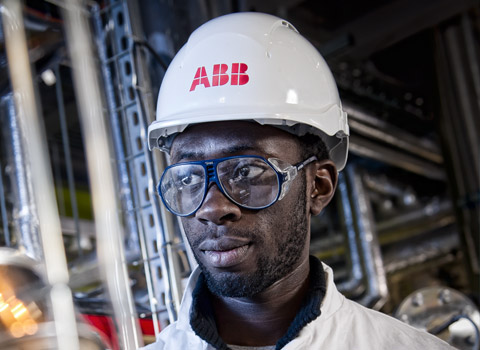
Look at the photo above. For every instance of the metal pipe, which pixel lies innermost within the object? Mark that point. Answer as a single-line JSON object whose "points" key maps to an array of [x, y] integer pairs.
{"points": [[57, 176], [473, 197], [110, 246], [467, 112], [374, 128], [372, 263], [366, 148], [353, 258], [404, 256], [434, 209], [25, 214], [383, 185], [464, 122], [472, 56], [6, 231], [55, 264], [455, 145], [448, 109], [68, 157]]}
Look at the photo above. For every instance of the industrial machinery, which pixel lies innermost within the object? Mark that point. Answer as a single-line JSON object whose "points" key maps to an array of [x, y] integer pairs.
{"points": [[94, 259], [444, 312]]}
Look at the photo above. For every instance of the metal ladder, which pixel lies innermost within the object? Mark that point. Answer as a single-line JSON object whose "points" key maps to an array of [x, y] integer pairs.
{"points": [[148, 224]]}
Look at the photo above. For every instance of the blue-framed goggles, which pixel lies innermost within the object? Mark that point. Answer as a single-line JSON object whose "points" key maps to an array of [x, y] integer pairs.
{"points": [[251, 182]]}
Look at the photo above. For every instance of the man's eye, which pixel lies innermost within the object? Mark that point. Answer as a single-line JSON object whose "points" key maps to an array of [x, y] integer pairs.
{"points": [[190, 180], [249, 172]]}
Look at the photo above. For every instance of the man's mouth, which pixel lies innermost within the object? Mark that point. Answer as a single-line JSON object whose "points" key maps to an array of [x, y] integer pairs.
{"points": [[225, 252]]}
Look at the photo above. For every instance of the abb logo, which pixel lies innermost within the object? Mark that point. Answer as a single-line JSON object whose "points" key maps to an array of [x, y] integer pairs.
{"points": [[221, 76]]}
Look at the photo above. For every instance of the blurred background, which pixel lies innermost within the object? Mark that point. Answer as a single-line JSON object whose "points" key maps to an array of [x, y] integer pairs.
{"points": [[89, 259]]}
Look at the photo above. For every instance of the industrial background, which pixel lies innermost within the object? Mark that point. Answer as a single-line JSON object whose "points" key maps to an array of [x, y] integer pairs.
{"points": [[90, 259]]}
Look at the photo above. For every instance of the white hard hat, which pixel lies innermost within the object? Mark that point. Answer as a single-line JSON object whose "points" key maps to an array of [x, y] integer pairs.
{"points": [[251, 66]]}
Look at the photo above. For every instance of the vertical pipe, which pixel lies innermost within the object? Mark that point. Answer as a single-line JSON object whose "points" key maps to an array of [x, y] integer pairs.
{"points": [[55, 263], [472, 56], [110, 247], [25, 214], [6, 231], [459, 87], [473, 198], [467, 113], [57, 176], [68, 158], [370, 249], [356, 274]]}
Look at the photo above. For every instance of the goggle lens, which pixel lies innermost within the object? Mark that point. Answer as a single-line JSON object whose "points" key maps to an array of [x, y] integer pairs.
{"points": [[183, 187], [248, 181]]}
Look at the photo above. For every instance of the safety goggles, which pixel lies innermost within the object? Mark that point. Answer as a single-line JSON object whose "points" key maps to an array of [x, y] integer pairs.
{"points": [[251, 182]]}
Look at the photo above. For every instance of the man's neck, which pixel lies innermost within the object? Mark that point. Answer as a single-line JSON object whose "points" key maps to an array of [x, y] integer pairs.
{"points": [[264, 318]]}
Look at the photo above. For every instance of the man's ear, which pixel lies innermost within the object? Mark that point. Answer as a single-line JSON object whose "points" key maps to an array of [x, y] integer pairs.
{"points": [[323, 184]]}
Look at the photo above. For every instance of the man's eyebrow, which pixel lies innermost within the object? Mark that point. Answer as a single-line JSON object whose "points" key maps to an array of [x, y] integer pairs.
{"points": [[186, 155], [239, 148], [200, 155]]}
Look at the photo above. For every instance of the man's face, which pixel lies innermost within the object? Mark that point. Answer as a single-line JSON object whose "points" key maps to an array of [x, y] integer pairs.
{"points": [[242, 251]]}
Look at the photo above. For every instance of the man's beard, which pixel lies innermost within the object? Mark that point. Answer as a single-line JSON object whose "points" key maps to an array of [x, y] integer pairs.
{"points": [[272, 268]]}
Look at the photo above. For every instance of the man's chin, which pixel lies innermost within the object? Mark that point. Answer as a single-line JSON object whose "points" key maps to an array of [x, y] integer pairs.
{"points": [[233, 284]]}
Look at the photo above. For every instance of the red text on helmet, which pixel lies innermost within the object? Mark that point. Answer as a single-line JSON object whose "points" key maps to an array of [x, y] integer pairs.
{"points": [[220, 76]]}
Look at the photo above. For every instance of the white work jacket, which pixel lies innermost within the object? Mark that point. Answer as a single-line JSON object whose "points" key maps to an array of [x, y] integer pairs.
{"points": [[342, 325]]}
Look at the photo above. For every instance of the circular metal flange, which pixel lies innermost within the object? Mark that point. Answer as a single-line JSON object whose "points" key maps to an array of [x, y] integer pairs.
{"points": [[444, 312]]}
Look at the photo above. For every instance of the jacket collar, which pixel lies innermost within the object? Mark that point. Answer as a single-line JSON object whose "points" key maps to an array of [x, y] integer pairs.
{"points": [[196, 314]]}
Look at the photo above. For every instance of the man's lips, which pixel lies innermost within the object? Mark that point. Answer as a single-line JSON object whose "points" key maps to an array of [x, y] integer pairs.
{"points": [[225, 251]]}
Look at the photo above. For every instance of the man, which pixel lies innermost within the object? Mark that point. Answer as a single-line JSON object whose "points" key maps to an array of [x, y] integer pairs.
{"points": [[250, 115]]}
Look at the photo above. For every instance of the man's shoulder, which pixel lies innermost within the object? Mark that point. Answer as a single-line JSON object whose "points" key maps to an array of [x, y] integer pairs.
{"points": [[175, 337], [386, 330]]}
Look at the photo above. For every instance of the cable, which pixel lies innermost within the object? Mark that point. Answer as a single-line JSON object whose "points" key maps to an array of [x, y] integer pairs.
{"points": [[149, 47]]}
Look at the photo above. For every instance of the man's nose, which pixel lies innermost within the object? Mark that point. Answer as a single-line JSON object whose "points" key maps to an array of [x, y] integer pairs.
{"points": [[217, 208]]}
